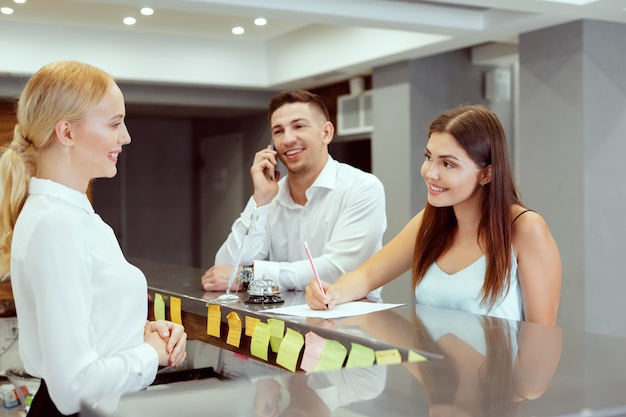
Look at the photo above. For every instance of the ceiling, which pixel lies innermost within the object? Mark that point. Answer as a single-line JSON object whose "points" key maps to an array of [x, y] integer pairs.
{"points": [[188, 43]]}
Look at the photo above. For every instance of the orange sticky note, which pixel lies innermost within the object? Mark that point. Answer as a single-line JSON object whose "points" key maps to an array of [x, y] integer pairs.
{"points": [[260, 340], [214, 320], [175, 310], [388, 356], [250, 323], [234, 329]]}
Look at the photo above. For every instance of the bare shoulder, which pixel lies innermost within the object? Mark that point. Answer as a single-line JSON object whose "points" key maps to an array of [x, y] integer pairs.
{"points": [[529, 227]]}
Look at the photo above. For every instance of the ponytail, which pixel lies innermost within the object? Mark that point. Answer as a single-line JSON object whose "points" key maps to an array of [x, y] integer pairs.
{"points": [[17, 166]]}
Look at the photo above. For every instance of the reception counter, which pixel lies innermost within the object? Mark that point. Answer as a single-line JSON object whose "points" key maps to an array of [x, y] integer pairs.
{"points": [[450, 363]]}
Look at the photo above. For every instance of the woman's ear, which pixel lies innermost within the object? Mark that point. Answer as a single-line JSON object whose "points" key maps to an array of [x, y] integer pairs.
{"points": [[486, 177], [63, 133]]}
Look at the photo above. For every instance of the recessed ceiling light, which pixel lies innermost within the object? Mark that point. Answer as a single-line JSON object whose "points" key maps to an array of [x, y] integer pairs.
{"points": [[259, 21], [238, 30], [130, 21], [19, 1], [147, 11], [6, 10]]}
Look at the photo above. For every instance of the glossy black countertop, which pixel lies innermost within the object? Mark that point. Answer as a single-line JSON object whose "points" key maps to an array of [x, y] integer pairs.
{"points": [[480, 366]]}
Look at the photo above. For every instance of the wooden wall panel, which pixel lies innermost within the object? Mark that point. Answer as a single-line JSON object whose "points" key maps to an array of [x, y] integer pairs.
{"points": [[7, 121]]}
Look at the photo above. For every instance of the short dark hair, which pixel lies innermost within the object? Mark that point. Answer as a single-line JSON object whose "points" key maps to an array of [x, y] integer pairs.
{"points": [[297, 96]]}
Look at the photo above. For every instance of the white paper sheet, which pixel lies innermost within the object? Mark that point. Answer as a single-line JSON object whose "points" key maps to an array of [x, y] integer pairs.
{"points": [[353, 308]]}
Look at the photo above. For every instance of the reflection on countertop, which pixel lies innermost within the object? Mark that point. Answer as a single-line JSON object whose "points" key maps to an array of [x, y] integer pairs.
{"points": [[479, 366]]}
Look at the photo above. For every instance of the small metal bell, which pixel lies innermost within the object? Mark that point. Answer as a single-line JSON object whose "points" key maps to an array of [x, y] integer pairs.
{"points": [[263, 291]]}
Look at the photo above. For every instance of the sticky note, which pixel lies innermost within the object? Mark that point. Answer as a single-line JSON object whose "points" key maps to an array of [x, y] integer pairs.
{"points": [[234, 329], [260, 340], [214, 320], [313, 347], [175, 310], [277, 331], [416, 357], [250, 324], [388, 356], [159, 307], [360, 356], [333, 356], [289, 350]]}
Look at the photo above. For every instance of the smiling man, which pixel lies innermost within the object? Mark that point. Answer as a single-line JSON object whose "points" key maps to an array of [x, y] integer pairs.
{"points": [[337, 209]]}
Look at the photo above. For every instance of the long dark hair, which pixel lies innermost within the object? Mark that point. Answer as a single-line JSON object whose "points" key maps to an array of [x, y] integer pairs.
{"points": [[479, 132]]}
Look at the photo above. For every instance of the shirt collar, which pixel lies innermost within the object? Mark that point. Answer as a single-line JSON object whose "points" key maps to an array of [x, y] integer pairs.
{"points": [[61, 192], [327, 178]]}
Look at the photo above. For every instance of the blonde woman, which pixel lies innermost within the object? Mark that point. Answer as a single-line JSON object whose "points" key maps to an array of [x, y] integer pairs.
{"points": [[81, 307]]}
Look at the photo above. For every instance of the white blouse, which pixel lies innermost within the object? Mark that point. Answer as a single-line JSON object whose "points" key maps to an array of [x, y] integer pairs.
{"points": [[81, 306]]}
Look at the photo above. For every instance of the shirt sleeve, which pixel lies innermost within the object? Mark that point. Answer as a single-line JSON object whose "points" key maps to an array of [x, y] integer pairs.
{"points": [[60, 270], [356, 235], [249, 230]]}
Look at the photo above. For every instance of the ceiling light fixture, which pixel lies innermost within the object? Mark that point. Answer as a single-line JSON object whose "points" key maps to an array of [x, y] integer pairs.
{"points": [[6, 10], [238, 30], [147, 11], [129, 21], [260, 21], [19, 1]]}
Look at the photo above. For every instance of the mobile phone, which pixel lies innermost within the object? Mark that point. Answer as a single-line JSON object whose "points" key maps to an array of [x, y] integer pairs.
{"points": [[267, 171]]}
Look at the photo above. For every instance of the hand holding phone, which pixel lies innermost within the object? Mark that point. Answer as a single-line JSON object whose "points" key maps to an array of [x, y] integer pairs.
{"points": [[264, 175]]}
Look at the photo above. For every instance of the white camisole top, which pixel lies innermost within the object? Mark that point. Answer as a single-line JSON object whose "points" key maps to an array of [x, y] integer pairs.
{"points": [[462, 291]]}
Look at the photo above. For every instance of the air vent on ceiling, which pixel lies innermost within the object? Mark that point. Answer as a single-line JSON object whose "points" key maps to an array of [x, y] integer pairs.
{"points": [[354, 114]]}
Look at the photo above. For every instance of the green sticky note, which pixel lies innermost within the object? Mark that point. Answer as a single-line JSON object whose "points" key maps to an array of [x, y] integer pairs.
{"points": [[289, 351], [260, 340], [159, 307], [333, 356], [277, 331], [360, 356], [416, 357]]}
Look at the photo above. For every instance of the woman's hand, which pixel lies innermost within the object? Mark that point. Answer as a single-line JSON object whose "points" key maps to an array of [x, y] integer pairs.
{"points": [[318, 300], [175, 341]]}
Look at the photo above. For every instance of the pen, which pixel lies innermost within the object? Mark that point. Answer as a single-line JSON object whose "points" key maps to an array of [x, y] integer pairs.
{"points": [[317, 277]]}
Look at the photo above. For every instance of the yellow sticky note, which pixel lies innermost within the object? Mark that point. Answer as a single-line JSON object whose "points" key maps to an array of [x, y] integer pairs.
{"points": [[250, 324], [360, 356], [277, 331], [388, 356], [333, 356], [416, 357], [234, 329], [159, 307], [289, 350], [175, 313], [260, 340], [213, 320]]}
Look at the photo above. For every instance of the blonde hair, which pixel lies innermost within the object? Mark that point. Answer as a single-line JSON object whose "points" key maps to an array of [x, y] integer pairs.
{"points": [[63, 90]]}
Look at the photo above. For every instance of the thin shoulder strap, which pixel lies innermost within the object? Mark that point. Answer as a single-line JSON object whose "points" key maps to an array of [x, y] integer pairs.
{"points": [[517, 217]]}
